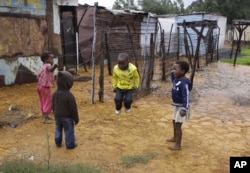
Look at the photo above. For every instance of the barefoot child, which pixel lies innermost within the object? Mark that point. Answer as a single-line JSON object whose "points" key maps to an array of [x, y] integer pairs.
{"points": [[45, 82], [180, 97]]}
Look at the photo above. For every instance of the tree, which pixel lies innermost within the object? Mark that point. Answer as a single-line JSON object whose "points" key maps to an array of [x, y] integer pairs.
{"points": [[163, 6], [124, 4], [232, 9]]}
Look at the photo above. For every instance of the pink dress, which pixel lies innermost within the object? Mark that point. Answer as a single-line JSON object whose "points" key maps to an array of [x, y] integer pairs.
{"points": [[45, 82]]}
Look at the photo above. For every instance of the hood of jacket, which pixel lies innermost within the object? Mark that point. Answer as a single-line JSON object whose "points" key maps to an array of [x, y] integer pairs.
{"points": [[64, 80]]}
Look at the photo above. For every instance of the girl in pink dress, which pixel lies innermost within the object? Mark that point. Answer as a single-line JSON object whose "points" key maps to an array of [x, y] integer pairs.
{"points": [[45, 82]]}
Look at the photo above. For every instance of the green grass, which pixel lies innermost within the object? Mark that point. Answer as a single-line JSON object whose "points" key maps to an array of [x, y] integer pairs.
{"points": [[129, 161], [242, 59], [21, 166], [245, 52]]}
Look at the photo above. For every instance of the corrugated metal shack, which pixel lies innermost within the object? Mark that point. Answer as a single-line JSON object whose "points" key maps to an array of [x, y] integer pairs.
{"points": [[218, 33], [66, 29], [26, 30], [117, 31], [121, 26], [169, 24]]}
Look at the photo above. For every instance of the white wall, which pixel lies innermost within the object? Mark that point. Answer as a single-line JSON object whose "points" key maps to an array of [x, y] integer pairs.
{"points": [[222, 23], [147, 27], [166, 23], [9, 67]]}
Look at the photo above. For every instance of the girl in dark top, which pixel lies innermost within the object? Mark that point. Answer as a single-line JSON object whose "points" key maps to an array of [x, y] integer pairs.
{"points": [[180, 97]]}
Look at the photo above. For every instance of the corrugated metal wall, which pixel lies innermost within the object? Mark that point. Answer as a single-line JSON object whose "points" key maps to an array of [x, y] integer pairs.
{"points": [[126, 32], [167, 21], [193, 34], [24, 34]]}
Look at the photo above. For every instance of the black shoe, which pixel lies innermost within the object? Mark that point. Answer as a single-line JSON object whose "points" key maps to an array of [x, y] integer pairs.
{"points": [[58, 145], [72, 147]]}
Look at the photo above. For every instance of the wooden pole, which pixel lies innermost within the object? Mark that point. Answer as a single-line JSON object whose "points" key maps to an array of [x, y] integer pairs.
{"points": [[232, 47], [187, 48], [217, 45], [240, 29], [145, 56], [132, 45], [107, 54], [101, 77], [93, 56], [77, 54], [170, 37], [197, 53], [163, 63], [178, 43]]}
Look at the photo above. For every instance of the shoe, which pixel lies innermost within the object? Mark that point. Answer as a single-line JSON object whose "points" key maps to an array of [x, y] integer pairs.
{"points": [[117, 112], [73, 147], [58, 145], [127, 110]]}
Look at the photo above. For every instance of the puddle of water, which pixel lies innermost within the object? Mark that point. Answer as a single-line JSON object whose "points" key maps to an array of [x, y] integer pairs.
{"points": [[224, 90]]}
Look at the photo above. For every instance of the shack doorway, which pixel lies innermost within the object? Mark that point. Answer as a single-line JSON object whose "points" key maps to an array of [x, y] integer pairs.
{"points": [[69, 42]]}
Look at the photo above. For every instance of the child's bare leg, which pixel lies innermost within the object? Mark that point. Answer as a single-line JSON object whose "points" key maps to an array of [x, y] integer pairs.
{"points": [[178, 138], [46, 118], [173, 139], [43, 116]]}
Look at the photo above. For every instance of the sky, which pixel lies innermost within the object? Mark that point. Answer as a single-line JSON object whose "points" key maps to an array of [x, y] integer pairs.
{"points": [[109, 3]]}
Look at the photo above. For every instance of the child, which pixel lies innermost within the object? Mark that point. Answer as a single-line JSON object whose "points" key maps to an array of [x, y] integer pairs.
{"points": [[65, 110], [180, 97], [125, 80], [45, 82]]}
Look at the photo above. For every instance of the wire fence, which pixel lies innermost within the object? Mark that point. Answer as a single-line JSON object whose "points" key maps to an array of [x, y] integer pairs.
{"points": [[152, 52]]}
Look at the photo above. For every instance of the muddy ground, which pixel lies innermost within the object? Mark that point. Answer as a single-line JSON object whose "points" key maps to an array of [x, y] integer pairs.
{"points": [[219, 128]]}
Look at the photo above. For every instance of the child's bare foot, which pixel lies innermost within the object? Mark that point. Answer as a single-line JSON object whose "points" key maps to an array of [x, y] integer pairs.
{"points": [[175, 147], [47, 121], [171, 139], [49, 118]]}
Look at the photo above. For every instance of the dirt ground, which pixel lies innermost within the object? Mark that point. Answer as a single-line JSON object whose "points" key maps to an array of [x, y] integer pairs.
{"points": [[219, 128]]}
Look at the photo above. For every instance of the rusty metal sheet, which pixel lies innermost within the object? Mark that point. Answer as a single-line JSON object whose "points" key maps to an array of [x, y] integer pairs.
{"points": [[24, 75], [22, 36]]}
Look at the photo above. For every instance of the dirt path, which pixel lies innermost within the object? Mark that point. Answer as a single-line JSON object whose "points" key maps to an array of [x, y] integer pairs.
{"points": [[219, 127]]}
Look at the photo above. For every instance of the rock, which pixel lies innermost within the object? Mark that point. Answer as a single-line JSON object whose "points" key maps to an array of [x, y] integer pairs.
{"points": [[13, 125], [31, 158], [14, 150], [13, 107]]}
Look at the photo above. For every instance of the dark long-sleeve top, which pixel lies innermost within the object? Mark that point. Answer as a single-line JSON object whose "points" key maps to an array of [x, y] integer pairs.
{"points": [[180, 91], [64, 104], [63, 101]]}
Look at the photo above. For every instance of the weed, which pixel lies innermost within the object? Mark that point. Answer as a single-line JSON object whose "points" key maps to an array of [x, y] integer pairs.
{"points": [[22, 166], [130, 160]]}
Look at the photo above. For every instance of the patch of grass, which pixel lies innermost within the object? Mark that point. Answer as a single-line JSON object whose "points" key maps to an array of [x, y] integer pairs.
{"points": [[22, 166], [245, 52], [243, 59], [240, 60], [129, 161]]}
